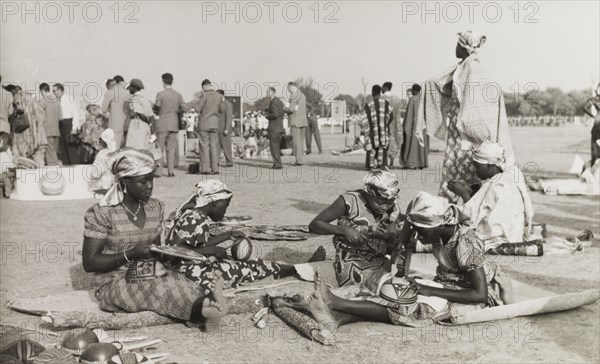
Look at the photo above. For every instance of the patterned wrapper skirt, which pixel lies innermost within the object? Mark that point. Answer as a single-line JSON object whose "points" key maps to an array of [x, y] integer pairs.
{"points": [[172, 295]]}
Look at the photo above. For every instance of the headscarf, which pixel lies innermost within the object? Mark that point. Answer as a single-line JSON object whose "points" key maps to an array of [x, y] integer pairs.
{"points": [[489, 153], [108, 135], [123, 163], [206, 192], [381, 183], [384, 183], [430, 211], [471, 41]]}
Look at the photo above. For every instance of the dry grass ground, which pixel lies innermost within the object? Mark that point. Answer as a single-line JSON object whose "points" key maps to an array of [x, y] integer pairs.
{"points": [[40, 241]]}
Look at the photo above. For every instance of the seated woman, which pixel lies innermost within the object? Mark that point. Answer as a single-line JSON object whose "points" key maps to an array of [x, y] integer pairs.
{"points": [[120, 229], [367, 222], [190, 227], [500, 211], [469, 282]]}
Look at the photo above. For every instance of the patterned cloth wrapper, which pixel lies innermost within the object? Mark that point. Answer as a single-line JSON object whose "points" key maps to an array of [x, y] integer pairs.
{"points": [[126, 163], [429, 211], [471, 41], [192, 228], [364, 263]]}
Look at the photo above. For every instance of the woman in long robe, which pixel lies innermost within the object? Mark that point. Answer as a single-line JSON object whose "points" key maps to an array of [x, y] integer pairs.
{"points": [[414, 155], [464, 107]]}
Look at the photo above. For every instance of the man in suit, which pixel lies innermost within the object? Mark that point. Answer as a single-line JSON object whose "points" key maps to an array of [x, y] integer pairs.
{"points": [[225, 125], [296, 110], [169, 108], [275, 129], [51, 106], [114, 104], [208, 106]]}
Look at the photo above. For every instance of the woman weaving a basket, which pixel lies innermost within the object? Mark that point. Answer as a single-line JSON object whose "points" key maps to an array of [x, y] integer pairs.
{"points": [[119, 231], [464, 280], [367, 220]]}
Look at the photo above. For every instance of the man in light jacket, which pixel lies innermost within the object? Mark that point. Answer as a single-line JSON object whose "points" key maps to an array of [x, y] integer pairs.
{"points": [[296, 110]]}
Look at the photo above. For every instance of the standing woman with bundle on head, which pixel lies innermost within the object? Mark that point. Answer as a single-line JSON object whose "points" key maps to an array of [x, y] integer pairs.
{"points": [[462, 108]]}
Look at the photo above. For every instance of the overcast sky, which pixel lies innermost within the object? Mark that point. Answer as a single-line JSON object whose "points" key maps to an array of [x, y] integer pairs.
{"points": [[529, 44]]}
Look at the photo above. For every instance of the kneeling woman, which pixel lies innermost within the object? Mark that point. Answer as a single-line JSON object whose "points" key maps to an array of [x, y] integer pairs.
{"points": [[467, 279], [119, 230], [191, 228]]}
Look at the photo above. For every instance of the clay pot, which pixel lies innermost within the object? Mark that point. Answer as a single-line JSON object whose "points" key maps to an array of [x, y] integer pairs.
{"points": [[52, 183]]}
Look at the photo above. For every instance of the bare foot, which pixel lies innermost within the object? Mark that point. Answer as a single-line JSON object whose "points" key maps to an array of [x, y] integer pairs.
{"points": [[214, 306], [323, 288], [505, 284], [321, 312], [319, 255], [319, 306]]}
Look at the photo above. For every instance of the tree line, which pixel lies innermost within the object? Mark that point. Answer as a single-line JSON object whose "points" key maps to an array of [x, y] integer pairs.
{"points": [[551, 101]]}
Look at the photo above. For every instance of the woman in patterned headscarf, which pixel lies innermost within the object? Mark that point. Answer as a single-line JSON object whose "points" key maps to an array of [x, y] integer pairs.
{"points": [[119, 231], [190, 227], [465, 281], [464, 107], [366, 223]]}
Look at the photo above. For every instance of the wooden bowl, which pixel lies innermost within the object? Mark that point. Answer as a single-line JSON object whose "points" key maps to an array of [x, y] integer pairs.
{"points": [[98, 353]]}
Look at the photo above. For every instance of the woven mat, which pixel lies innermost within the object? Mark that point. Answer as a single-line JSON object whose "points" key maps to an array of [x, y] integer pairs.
{"points": [[527, 308]]}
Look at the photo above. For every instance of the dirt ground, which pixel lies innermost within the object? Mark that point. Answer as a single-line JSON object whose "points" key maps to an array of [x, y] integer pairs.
{"points": [[41, 241]]}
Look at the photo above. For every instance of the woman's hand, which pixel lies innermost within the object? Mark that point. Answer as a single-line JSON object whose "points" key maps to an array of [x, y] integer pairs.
{"points": [[421, 288], [233, 234], [459, 188], [140, 251], [354, 236]]}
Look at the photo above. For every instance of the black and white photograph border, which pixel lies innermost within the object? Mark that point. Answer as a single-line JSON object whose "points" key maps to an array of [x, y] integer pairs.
{"points": [[299, 181]]}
